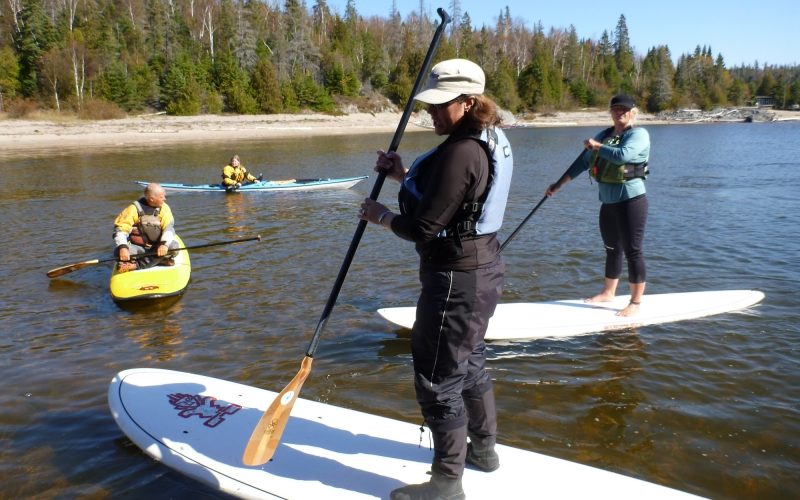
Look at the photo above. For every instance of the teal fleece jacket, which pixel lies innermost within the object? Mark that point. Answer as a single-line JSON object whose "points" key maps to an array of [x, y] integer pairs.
{"points": [[634, 147]]}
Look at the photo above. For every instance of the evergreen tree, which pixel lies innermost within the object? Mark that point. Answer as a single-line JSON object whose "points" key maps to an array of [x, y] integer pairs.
{"points": [[266, 87], [209, 55], [738, 93], [658, 73], [321, 21], [182, 91], [117, 86], [375, 64], [501, 84], [156, 36], [623, 52], [767, 84], [398, 90], [465, 42], [35, 37], [310, 95], [9, 76], [570, 60], [794, 94]]}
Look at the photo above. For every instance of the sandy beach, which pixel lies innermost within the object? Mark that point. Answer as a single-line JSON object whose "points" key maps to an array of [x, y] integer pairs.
{"points": [[20, 137]]}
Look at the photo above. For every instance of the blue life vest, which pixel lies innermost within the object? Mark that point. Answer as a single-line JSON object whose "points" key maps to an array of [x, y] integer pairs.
{"points": [[502, 166], [484, 215]]}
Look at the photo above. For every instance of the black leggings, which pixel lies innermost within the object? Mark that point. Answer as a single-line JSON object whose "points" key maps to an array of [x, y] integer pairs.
{"points": [[622, 228]]}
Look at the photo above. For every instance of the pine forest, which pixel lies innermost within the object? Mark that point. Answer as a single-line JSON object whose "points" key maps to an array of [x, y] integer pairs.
{"points": [[108, 58]]}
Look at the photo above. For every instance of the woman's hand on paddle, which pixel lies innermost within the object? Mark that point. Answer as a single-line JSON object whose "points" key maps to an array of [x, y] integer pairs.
{"points": [[390, 164], [554, 187], [124, 254], [371, 210], [162, 250], [592, 144]]}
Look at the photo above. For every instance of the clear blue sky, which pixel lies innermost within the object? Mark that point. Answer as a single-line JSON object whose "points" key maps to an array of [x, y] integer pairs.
{"points": [[743, 32]]}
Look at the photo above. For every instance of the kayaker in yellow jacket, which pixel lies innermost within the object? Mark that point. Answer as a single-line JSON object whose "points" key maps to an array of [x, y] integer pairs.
{"points": [[146, 225], [234, 175]]}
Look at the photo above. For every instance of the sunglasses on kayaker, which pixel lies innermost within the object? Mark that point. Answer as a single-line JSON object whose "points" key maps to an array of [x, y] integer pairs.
{"points": [[444, 105]]}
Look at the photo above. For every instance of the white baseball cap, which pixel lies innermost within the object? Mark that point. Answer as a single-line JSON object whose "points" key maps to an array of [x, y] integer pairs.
{"points": [[450, 79]]}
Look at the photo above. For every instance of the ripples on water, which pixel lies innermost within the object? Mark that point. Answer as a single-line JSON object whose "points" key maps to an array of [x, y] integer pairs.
{"points": [[707, 406]]}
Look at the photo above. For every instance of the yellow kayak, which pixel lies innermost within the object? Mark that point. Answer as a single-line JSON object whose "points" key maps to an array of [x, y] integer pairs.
{"points": [[154, 282]]}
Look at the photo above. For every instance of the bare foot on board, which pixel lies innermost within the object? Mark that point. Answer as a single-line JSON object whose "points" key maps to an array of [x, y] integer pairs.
{"points": [[124, 267], [629, 310], [600, 297]]}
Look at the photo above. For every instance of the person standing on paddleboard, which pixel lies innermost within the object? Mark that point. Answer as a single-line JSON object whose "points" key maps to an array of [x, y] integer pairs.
{"points": [[146, 225], [617, 159], [452, 201], [234, 175]]}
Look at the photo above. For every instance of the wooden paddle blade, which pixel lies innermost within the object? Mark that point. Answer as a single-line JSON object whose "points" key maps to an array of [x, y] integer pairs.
{"points": [[61, 271], [267, 434]]}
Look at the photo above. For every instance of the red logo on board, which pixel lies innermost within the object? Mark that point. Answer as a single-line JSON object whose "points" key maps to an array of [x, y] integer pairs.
{"points": [[207, 408]]}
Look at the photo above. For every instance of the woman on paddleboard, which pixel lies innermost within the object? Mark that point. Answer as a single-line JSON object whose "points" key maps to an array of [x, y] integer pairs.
{"points": [[452, 200], [617, 159]]}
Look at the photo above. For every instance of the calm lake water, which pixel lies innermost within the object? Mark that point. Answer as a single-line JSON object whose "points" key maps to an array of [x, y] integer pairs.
{"points": [[709, 406]]}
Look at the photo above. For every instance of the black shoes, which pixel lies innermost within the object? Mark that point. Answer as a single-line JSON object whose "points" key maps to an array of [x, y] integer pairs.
{"points": [[485, 460], [438, 488], [441, 487]]}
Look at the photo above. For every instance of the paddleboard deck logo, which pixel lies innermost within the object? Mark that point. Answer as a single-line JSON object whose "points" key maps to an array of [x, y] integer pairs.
{"points": [[207, 408]]}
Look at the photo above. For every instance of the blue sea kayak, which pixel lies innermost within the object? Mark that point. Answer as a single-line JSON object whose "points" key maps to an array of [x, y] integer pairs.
{"points": [[285, 185]]}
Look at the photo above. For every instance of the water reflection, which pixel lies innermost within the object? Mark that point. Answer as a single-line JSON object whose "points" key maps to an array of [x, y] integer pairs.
{"points": [[155, 326], [152, 306], [237, 212]]}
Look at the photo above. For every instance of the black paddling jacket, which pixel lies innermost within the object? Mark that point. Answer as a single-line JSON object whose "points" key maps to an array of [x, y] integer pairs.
{"points": [[455, 173]]}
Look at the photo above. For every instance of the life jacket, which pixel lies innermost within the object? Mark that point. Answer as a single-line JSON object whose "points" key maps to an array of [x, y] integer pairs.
{"points": [[236, 174], [483, 215], [606, 171], [147, 230]]}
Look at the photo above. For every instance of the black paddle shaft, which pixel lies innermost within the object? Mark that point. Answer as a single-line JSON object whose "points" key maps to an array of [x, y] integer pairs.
{"points": [[530, 214], [376, 188], [194, 247]]}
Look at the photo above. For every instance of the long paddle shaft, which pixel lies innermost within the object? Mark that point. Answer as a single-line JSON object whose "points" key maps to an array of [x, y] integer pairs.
{"points": [[268, 431], [514, 233], [61, 271]]}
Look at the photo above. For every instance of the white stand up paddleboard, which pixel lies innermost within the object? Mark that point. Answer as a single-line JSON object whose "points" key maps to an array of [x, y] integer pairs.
{"points": [[564, 318], [200, 426]]}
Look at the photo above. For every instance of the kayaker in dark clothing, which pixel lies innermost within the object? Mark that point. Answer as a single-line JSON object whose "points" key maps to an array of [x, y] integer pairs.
{"points": [[452, 202], [617, 159], [146, 225]]}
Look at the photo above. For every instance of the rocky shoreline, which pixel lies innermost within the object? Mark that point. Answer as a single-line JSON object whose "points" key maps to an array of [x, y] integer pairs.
{"points": [[748, 115]]}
